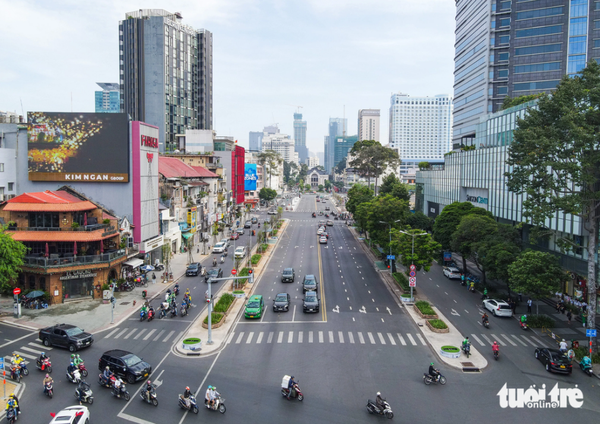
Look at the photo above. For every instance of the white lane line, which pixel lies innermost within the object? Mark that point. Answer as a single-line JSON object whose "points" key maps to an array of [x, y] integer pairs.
{"points": [[139, 334], [331, 337], [300, 336], [294, 314], [310, 336], [351, 337], [28, 349], [249, 339], [519, 340], [360, 338], [422, 340], [529, 341], [230, 338], [26, 355], [320, 337], [149, 334], [111, 333], [509, 340], [259, 338], [498, 340], [291, 337], [270, 338], [372, 340], [280, 337], [410, 337], [158, 336], [540, 343], [240, 337], [130, 333], [478, 339], [392, 341], [341, 336], [487, 339], [168, 336], [381, 339], [401, 339], [121, 333]]}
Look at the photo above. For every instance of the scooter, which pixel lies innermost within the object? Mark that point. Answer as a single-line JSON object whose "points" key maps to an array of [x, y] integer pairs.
{"points": [[586, 369], [222, 260], [49, 390], [486, 323], [219, 405], [149, 399], [173, 312], [151, 314], [46, 366], [193, 404], [120, 392], [524, 325], [183, 310], [106, 383], [75, 378], [428, 379], [496, 354], [142, 315], [11, 415], [83, 370], [296, 392], [159, 267], [15, 373], [24, 370], [467, 349], [86, 393], [374, 409]]}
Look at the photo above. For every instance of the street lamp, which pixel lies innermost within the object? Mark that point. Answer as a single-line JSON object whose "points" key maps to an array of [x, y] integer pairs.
{"points": [[390, 224], [412, 257]]}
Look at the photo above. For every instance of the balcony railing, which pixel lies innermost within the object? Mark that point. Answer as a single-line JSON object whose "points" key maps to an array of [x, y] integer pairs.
{"points": [[43, 262], [94, 227]]}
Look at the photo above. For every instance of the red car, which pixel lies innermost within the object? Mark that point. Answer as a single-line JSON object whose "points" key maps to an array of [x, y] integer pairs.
{"points": [[234, 236]]}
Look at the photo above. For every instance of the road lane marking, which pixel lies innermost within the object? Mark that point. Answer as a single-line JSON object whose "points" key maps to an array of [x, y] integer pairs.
{"points": [[249, 339], [280, 337], [130, 333], [139, 334], [111, 333], [121, 333], [331, 337], [371, 339], [300, 336], [540, 343], [381, 339], [351, 337], [149, 334], [529, 341], [26, 355], [320, 337], [168, 336], [478, 340], [519, 340], [410, 337], [270, 338], [509, 340], [360, 338], [392, 341], [158, 336], [310, 336], [291, 337], [240, 337], [487, 339], [498, 340], [421, 340]]}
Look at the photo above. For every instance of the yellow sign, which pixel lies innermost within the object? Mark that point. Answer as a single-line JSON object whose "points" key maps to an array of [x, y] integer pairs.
{"points": [[191, 219]]}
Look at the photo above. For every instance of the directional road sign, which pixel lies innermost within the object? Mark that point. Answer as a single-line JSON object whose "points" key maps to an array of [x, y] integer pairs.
{"points": [[391, 257], [590, 333]]}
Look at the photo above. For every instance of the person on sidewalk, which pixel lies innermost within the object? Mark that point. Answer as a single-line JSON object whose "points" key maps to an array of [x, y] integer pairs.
{"points": [[569, 316], [529, 304], [153, 278]]}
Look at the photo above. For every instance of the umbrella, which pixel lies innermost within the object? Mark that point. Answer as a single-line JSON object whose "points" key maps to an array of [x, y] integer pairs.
{"points": [[75, 248], [34, 294], [85, 219], [101, 247], [147, 268], [47, 250]]}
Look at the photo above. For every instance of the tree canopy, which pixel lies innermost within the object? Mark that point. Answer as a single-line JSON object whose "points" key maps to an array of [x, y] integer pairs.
{"points": [[446, 223], [357, 195], [12, 253], [267, 194], [371, 159], [425, 248]]}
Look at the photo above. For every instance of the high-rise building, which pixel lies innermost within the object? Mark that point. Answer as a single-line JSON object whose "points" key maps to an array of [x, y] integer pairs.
{"points": [[368, 124], [300, 137], [342, 146], [420, 128], [337, 127], [280, 143], [166, 73], [255, 141], [312, 162], [109, 99], [516, 48], [321, 157]]}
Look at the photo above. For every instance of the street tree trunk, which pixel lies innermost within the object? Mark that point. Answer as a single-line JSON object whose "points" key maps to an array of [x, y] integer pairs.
{"points": [[591, 277]]}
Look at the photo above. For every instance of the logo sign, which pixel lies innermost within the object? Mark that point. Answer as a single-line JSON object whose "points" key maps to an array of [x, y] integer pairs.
{"points": [[538, 398], [477, 199], [391, 257], [413, 274], [149, 156], [588, 333], [413, 268], [17, 291], [250, 176], [233, 271]]}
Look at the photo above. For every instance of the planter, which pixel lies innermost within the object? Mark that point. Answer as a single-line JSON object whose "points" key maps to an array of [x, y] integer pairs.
{"points": [[437, 330], [450, 352], [239, 295], [426, 316], [218, 324], [406, 298], [192, 343]]}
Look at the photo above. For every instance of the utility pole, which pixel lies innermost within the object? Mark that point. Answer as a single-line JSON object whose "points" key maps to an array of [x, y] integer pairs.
{"points": [[412, 258]]}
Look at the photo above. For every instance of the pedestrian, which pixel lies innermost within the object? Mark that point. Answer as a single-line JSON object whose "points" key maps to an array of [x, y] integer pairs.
{"points": [[569, 316], [529, 304], [520, 297], [513, 306], [153, 278], [583, 317], [584, 306], [557, 307]]}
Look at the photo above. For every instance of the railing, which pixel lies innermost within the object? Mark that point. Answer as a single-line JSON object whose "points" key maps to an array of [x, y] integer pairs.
{"points": [[93, 227], [36, 261]]}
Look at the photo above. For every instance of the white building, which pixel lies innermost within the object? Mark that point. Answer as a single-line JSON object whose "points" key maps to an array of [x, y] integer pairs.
{"points": [[282, 144], [313, 162], [420, 128], [368, 124]]}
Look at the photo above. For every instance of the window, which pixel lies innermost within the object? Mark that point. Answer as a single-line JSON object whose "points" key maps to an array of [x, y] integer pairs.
{"points": [[540, 13], [540, 85], [503, 73], [530, 32], [596, 24], [579, 8], [576, 64], [596, 44], [546, 48], [11, 186], [504, 5], [1, 167], [504, 22], [502, 56], [504, 39], [502, 90], [578, 26], [577, 45], [537, 67]]}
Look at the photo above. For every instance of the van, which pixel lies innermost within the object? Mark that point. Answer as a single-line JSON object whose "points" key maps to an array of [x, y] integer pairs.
{"points": [[255, 307]]}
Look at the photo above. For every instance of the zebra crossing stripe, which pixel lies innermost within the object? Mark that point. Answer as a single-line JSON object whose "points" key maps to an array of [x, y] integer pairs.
{"points": [[529, 341], [111, 333], [121, 333], [259, 338], [300, 336], [320, 337], [249, 339], [392, 341], [540, 343], [291, 337], [270, 338], [280, 337], [239, 339], [331, 337], [478, 340], [28, 349], [39, 346], [381, 339], [310, 336], [422, 340], [26, 355], [168, 336], [487, 339], [509, 340], [498, 340], [351, 337], [149, 334], [410, 337], [371, 339], [130, 333], [519, 340], [158, 335], [401, 339], [341, 336], [142, 331]]}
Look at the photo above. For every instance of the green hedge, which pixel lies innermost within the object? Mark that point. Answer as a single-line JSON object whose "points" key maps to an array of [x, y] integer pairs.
{"points": [[539, 321], [224, 302], [274, 232], [585, 351], [243, 273], [216, 317], [438, 324], [403, 282], [425, 307], [255, 259]]}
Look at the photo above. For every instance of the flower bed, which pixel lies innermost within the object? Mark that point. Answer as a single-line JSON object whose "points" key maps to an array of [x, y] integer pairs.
{"points": [[224, 303], [425, 310], [255, 259], [437, 326], [402, 281]]}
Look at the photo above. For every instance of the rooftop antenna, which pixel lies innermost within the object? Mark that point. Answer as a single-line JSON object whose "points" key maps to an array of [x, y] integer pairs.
{"points": [[22, 110]]}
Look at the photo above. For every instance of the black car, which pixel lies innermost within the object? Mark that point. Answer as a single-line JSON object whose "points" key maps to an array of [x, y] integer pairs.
{"points": [[125, 364], [288, 275], [213, 273], [281, 302], [67, 336], [310, 283], [193, 269], [254, 220], [311, 302], [554, 360]]}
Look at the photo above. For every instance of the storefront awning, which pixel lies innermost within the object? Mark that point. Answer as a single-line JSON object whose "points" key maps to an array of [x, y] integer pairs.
{"points": [[134, 263], [187, 235]]}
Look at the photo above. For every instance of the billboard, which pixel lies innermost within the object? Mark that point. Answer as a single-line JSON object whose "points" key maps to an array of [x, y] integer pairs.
{"points": [[250, 177], [78, 147]]}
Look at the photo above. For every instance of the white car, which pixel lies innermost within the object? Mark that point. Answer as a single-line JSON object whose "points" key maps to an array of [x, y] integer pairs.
{"points": [[219, 247], [498, 308], [225, 241], [451, 272], [72, 415], [240, 252], [320, 231], [323, 240]]}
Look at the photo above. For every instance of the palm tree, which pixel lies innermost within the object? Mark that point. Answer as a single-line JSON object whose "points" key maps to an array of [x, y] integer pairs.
{"points": [[271, 159]]}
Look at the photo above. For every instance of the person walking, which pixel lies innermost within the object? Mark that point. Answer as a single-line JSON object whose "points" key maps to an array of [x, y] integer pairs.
{"points": [[583, 318], [513, 306], [153, 278], [529, 304], [569, 316]]}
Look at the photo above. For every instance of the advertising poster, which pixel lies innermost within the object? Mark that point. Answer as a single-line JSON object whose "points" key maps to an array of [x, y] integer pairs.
{"points": [[250, 177]]}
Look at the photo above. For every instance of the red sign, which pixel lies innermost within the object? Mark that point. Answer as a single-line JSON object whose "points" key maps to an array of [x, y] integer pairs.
{"points": [[17, 291], [149, 141], [233, 272], [412, 267], [149, 156]]}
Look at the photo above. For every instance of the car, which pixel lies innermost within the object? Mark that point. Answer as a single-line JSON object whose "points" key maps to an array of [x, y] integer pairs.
{"points": [[234, 236], [240, 231], [67, 336], [288, 275], [327, 208], [554, 360], [498, 308], [254, 220], [213, 273], [76, 414], [248, 224], [254, 307], [219, 247], [325, 234], [309, 283], [330, 223], [225, 241], [281, 302], [451, 272], [311, 302], [125, 364], [322, 223], [320, 231], [240, 252], [323, 240], [272, 212], [193, 269], [318, 200]]}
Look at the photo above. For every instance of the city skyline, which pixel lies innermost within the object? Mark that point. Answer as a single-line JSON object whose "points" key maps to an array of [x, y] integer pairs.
{"points": [[251, 88]]}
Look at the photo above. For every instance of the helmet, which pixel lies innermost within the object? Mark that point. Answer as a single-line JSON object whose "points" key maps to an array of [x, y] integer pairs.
{"points": [[43, 353], [72, 364], [292, 377], [72, 355], [47, 375], [378, 393], [214, 388], [78, 355], [432, 364], [209, 387], [495, 342], [187, 388], [12, 395], [107, 367], [148, 382]]}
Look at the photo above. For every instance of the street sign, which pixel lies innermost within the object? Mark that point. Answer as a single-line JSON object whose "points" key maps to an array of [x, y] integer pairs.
{"points": [[412, 282], [16, 291], [393, 257], [1, 363], [447, 256], [412, 274], [413, 267], [233, 272], [590, 333]]}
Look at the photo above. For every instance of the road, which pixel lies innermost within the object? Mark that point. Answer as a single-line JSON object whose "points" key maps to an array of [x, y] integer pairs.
{"points": [[362, 341]]}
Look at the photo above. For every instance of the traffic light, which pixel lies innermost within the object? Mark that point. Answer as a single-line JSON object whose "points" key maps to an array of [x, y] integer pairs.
{"points": [[250, 276]]}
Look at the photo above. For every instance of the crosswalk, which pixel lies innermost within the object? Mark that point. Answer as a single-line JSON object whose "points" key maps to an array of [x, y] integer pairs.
{"points": [[32, 350], [144, 334], [368, 338]]}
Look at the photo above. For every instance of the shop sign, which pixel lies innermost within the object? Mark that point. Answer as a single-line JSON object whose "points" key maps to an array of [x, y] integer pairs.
{"points": [[477, 199], [76, 275], [152, 244]]}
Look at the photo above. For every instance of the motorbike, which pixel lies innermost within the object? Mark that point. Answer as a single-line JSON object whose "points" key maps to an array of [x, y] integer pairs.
{"points": [[11, 415], [83, 370], [149, 399], [150, 315], [142, 315], [86, 393], [373, 408], [75, 378], [296, 392], [183, 310], [219, 405], [173, 312], [222, 260], [193, 404], [524, 325], [46, 366], [15, 373], [24, 370], [486, 323], [496, 354], [314, 215], [176, 291], [49, 390], [121, 391], [586, 369], [428, 379], [163, 312], [467, 349], [159, 267], [106, 383]]}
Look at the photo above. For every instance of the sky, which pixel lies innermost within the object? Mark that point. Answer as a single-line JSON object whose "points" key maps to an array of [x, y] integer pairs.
{"points": [[331, 57]]}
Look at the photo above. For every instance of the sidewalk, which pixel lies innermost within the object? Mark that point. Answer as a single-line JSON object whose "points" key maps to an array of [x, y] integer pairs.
{"points": [[474, 363], [219, 335]]}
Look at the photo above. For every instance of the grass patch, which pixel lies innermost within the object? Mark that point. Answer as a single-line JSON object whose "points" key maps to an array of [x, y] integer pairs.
{"points": [[539, 321], [255, 259], [274, 232], [449, 349], [438, 324], [425, 308], [215, 318], [238, 292], [224, 303]]}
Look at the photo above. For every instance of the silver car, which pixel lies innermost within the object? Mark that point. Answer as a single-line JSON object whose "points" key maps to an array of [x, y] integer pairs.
{"points": [[498, 308]]}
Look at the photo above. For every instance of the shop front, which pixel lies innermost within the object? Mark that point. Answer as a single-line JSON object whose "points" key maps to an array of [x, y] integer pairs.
{"points": [[78, 284]]}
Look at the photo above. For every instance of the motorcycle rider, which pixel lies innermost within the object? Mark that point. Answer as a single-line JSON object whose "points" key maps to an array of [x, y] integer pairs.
{"points": [[484, 318], [586, 362], [213, 395], [80, 390], [148, 389], [379, 401], [70, 369], [77, 360], [12, 403], [144, 310], [484, 296], [176, 289], [434, 373], [151, 312], [47, 380], [466, 343], [291, 383], [496, 347], [186, 397], [523, 320], [222, 259], [17, 407], [42, 358], [215, 261], [107, 375], [563, 346]]}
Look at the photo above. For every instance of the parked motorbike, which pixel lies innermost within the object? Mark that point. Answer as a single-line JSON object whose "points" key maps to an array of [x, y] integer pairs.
{"points": [[219, 405], [83, 370], [159, 267], [49, 390], [75, 378], [467, 349], [46, 366], [296, 392], [86, 392], [373, 408], [120, 392], [193, 404], [428, 379], [149, 399]]}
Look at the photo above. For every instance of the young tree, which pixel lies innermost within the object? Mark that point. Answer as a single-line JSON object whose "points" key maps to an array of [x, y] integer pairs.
{"points": [[320, 187], [327, 184], [12, 253], [426, 249], [537, 274], [307, 187], [389, 210], [555, 159], [356, 195], [270, 161], [471, 230], [446, 223]]}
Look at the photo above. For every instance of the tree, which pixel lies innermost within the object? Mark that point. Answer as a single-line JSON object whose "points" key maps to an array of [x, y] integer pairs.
{"points": [[446, 223], [327, 184], [371, 159], [499, 255], [419, 220], [12, 253], [307, 187], [515, 101], [388, 183], [270, 161], [267, 194], [426, 249], [389, 210], [536, 273], [339, 168], [470, 231], [289, 168], [320, 187], [303, 172], [338, 184], [356, 195], [555, 159]]}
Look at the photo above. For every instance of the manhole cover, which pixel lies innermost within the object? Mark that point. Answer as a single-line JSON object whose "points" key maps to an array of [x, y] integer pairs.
{"points": [[467, 364], [124, 303], [469, 367]]}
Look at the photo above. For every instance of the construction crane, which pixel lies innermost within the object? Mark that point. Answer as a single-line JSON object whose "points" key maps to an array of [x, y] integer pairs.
{"points": [[299, 107]]}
